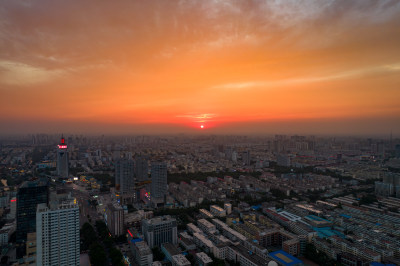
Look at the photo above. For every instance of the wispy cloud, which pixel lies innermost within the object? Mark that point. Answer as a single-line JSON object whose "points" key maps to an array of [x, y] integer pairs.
{"points": [[286, 82], [16, 73], [200, 118]]}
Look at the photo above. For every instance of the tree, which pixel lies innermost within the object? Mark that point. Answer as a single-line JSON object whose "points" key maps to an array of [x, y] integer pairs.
{"points": [[102, 229], [116, 256], [97, 255], [88, 236]]}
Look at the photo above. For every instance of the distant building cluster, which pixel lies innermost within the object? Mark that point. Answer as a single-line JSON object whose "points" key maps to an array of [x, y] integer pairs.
{"points": [[196, 200]]}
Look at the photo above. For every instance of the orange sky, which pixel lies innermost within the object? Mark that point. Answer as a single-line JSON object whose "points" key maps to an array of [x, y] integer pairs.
{"points": [[169, 66]]}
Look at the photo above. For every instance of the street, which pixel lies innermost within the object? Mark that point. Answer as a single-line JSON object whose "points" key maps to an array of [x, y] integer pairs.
{"points": [[82, 196]]}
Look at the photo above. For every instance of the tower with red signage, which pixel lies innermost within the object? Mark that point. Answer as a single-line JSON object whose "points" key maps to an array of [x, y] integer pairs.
{"points": [[62, 159]]}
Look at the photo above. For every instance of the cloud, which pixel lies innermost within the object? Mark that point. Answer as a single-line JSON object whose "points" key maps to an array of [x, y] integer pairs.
{"points": [[199, 118], [15, 73], [350, 74]]}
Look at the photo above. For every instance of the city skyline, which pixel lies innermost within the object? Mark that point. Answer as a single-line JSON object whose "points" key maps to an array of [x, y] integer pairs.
{"points": [[240, 67]]}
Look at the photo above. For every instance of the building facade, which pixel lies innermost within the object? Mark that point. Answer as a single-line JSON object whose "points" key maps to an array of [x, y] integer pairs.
{"points": [[115, 219], [125, 176], [141, 168], [57, 233], [159, 230], [158, 181], [30, 194]]}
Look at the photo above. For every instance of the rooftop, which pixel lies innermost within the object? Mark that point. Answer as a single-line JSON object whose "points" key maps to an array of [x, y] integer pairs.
{"points": [[284, 258]]}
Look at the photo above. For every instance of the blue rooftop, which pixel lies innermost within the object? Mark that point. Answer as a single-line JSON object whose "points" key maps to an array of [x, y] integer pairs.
{"points": [[380, 264], [326, 232], [345, 216], [135, 240], [316, 218], [284, 258]]}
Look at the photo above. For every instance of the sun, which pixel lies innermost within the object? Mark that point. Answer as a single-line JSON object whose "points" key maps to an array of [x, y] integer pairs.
{"points": [[202, 126]]}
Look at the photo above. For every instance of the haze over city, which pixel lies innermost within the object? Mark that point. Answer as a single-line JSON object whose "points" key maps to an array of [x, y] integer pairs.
{"points": [[254, 67], [200, 132]]}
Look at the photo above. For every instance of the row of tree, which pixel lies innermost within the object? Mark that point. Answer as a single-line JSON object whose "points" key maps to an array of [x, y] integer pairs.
{"points": [[97, 243]]}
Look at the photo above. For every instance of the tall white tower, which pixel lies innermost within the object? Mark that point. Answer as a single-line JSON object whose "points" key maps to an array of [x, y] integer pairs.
{"points": [[62, 159]]}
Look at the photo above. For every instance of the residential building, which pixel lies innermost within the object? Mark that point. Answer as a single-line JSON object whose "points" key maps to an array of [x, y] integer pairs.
{"points": [[57, 233], [180, 260], [203, 259]]}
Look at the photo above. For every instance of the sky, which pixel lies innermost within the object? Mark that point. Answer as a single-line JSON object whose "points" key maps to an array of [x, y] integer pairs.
{"points": [[254, 67]]}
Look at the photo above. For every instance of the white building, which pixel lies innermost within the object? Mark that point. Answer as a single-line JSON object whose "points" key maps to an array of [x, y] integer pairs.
{"points": [[57, 233], [180, 260], [203, 259], [206, 226]]}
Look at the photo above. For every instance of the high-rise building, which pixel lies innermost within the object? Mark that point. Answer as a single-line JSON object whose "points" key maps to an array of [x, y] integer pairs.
{"points": [[57, 233], [141, 168], [159, 230], [30, 258], [397, 151], [13, 208], [62, 159], [115, 219], [390, 186], [283, 160], [124, 176], [246, 158], [30, 194], [158, 182]]}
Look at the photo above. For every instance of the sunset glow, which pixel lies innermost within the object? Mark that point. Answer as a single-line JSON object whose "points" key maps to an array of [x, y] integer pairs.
{"points": [[177, 66]]}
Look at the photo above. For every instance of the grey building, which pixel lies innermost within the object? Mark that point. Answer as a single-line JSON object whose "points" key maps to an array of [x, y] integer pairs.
{"points": [[158, 182], [142, 253], [141, 168], [115, 219], [159, 230], [389, 187], [125, 176]]}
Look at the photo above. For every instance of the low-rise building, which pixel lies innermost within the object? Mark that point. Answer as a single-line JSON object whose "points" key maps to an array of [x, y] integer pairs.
{"points": [[180, 260], [142, 253], [217, 211], [203, 259]]}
